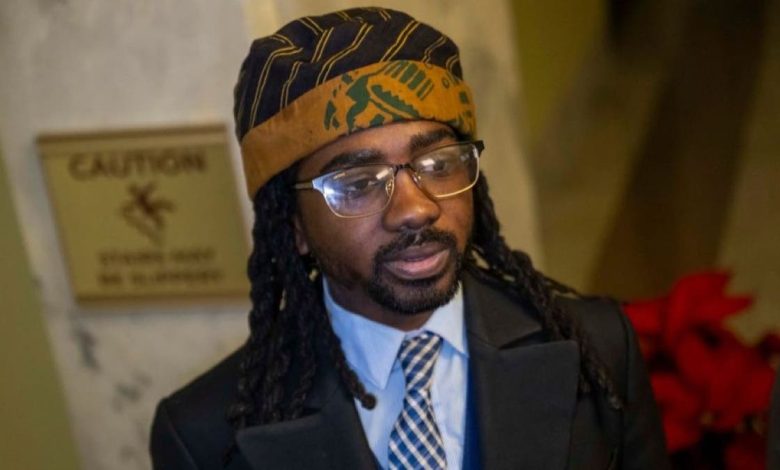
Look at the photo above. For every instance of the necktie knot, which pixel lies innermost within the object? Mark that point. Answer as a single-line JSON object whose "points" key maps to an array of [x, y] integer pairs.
{"points": [[418, 356]]}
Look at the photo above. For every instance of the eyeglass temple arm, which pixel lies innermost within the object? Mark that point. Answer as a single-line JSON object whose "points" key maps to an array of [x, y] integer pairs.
{"points": [[304, 185]]}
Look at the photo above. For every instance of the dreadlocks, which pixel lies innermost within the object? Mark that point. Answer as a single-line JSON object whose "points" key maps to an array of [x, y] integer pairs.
{"points": [[287, 309], [515, 270]]}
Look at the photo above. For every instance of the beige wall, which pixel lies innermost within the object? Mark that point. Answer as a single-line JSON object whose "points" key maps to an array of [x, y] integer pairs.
{"points": [[560, 46], [554, 39], [36, 433]]}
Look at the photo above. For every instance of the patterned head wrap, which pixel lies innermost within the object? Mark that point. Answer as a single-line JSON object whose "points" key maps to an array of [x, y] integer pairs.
{"points": [[323, 77]]}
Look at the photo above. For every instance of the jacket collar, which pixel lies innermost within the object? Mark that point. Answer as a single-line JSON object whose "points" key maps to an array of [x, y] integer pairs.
{"points": [[494, 318], [525, 391], [328, 436]]}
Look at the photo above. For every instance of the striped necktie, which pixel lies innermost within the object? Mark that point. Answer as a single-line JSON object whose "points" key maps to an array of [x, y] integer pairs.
{"points": [[415, 442]]}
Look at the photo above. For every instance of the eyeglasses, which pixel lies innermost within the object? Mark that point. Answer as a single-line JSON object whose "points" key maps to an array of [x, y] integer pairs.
{"points": [[365, 190]]}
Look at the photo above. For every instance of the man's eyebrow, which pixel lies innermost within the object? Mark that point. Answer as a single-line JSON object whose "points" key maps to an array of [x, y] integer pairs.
{"points": [[421, 141], [348, 159], [367, 156]]}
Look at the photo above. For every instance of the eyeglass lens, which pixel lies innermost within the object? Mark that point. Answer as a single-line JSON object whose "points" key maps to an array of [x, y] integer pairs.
{"points": [[364, 190]]}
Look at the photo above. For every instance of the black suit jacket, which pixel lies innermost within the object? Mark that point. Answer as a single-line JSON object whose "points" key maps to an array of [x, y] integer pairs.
{"points": [[773, 443], [529, 413]]}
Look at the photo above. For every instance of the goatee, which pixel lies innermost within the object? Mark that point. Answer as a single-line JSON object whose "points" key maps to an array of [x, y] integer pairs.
{"points": [[410, 297]]}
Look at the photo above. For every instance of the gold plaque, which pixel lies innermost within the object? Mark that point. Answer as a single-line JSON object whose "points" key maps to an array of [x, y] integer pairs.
{"points": [[147, 213]]}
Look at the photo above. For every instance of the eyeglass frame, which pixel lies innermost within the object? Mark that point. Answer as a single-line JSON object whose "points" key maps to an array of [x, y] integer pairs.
{"points": [[316, 183]]}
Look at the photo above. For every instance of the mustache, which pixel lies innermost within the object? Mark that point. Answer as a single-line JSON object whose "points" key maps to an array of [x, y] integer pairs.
{"points": [[407, 240]]}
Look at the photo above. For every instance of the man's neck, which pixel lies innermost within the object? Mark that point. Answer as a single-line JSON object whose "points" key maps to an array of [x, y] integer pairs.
{"points": [[357, 303]]}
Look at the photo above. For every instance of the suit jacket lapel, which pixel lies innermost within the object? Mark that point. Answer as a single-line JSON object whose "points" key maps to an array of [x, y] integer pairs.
{"points": [[525, 393], [525, 390], [329, 437]]}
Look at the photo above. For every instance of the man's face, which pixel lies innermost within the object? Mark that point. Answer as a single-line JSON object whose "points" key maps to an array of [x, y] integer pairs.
{"points": [[398, 265]]}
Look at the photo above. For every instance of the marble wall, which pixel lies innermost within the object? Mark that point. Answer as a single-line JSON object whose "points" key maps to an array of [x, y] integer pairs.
{"points": [[85, 64]]}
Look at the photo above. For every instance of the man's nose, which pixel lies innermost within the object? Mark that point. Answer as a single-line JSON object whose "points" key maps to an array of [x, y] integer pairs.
{"points": [[410, 208]]}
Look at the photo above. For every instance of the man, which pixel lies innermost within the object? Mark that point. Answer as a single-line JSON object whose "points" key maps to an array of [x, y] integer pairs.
{"points": [[391, 325]]}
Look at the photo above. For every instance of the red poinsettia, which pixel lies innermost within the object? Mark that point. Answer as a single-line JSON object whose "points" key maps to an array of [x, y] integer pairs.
{"points": [[746, 451], [706, 381]]}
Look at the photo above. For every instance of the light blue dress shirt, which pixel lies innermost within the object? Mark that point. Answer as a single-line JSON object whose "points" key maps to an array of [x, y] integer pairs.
{"points": [[371, 349]]}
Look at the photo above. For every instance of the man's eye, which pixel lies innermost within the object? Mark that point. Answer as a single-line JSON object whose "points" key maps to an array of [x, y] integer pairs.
{"points": [[360, 185], [440, 165], [357, 185]]}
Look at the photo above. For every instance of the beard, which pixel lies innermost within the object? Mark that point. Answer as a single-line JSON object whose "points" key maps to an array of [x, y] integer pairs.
{"points": [[410, 297], [403, 296]]}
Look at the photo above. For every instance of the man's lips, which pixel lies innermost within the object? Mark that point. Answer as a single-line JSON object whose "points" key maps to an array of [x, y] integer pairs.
{"points": [[418, 262]]}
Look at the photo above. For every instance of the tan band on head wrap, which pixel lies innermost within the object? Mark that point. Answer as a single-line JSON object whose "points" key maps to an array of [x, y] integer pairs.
{"points": [[369, 96]]}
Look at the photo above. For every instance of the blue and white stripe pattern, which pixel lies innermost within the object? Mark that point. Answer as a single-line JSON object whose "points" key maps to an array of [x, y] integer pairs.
{"points": [[415, 442]]}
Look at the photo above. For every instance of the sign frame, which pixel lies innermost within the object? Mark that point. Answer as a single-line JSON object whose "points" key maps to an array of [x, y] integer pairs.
{"points": [[149, 188]]}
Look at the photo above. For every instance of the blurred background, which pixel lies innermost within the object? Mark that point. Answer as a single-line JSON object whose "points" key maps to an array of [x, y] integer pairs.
{"points": [[629, 143]]}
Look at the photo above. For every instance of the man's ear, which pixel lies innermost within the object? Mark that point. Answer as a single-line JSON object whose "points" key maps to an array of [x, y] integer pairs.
{"points": [[300, 236]]}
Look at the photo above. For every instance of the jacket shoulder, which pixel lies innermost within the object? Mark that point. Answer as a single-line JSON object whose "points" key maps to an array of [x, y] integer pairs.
{"points": [[190, 425], [607, 329], [611, 334], [601, 318]]}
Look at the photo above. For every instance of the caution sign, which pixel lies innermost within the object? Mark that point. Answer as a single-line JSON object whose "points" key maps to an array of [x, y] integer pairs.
{"points": [[144, 214]]}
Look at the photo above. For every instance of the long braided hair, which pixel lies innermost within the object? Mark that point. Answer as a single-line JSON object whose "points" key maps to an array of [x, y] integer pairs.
{"points": [[287, 310]]}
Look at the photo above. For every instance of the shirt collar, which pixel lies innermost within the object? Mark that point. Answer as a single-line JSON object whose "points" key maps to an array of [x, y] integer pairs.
{"points": [[371, 348]]}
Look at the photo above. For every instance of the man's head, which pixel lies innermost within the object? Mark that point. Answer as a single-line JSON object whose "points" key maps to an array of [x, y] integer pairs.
{"points": [[362, 86]]}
